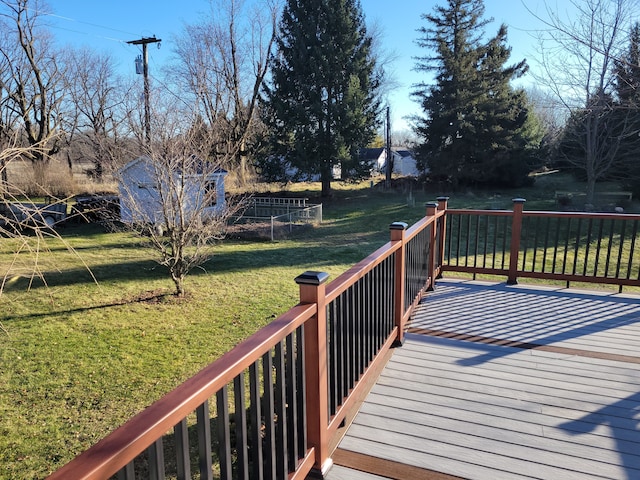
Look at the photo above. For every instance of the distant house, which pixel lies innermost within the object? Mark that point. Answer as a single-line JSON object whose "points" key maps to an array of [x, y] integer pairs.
{"points": [[374, 157], [142, 184], [403, 162]]}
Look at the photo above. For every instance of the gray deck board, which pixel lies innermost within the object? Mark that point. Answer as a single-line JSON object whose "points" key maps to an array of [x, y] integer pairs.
{"points": [[485, 411]]}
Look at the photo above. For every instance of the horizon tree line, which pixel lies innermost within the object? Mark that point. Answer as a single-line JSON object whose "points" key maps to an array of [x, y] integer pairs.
{"points": [[246, 83]]}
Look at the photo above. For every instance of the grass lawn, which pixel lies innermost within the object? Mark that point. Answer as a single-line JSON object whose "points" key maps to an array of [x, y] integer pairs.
{"points": [[79, 357]]}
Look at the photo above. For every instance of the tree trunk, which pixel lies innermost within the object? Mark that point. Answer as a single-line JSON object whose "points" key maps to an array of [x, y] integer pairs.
{"points": [[591, 192], [179, 283], [326, 184], [4, 181]]}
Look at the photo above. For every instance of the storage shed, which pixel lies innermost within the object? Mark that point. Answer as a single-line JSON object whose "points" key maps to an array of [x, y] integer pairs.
{"points": [[143, 184]]}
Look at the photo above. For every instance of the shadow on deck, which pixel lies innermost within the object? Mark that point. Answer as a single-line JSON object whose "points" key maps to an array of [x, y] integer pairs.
{"points": [[499, 381]]}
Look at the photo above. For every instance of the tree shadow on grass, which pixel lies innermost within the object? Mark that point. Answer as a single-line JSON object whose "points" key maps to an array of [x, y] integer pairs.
{"points": [[146, 297], [224, 262]]}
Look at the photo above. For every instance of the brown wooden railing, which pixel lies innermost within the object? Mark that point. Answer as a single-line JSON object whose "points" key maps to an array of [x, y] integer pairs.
{"points": [[568, 246], [271, 407]]}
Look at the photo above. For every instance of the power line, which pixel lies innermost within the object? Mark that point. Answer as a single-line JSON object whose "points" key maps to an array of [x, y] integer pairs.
{"points": [[95, 25]]}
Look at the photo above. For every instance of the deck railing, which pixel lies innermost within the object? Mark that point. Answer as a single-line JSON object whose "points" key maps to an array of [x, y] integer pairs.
{"points": [[271, 407], [568, 246]]}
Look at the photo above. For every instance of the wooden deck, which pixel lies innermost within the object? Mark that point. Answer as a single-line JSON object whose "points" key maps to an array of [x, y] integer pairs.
{"points": [[501, 382]]}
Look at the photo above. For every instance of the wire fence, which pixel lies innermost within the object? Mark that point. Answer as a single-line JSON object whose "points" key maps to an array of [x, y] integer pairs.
{"points": [[275, 218]]}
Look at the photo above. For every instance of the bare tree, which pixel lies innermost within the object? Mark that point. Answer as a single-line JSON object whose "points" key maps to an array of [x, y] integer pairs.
{"points": [[34, 85], [173, 196], [577, 55], [221, 63], [95, 110], [8, 119]]}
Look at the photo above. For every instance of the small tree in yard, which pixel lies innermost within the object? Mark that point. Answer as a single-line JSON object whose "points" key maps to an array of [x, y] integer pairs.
{"points": [[174, 203]]}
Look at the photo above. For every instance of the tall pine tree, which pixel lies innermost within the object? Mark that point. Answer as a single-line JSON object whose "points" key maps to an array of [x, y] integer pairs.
{"points": [[477, 129], [322, 104]]}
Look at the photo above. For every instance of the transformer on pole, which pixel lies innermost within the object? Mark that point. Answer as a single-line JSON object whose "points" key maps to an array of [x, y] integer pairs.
{"points": [[142, 66]]}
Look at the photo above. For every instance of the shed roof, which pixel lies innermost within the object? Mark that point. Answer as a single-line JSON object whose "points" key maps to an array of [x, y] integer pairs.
{"points": [[200, 166]]}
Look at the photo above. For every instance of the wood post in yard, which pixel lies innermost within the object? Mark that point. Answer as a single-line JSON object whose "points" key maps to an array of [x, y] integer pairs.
{"points": [[312, 290], [398, 230], [516, 234]]}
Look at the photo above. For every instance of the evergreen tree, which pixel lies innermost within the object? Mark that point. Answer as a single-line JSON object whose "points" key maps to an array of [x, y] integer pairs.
{"points": [[321, 104], [477, 129]]}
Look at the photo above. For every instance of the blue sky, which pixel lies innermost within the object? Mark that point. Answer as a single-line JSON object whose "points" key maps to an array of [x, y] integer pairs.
{"points": [[107, 25]]}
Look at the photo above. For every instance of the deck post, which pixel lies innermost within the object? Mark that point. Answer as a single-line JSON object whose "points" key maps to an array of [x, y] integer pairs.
{"points": [[432, 208], [516, 234], [398, 230], [312, 290], [442, 207]]}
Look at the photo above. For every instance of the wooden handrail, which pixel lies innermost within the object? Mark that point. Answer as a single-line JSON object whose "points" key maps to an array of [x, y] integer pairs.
{"points": [[113, 452]]}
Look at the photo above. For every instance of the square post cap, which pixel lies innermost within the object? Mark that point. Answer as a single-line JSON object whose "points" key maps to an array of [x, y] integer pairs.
{"points": [[311, 278], [398, 226]]}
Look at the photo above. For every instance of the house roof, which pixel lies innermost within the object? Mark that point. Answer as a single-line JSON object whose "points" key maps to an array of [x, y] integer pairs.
{"points": [[404, 153], [371, 153]]}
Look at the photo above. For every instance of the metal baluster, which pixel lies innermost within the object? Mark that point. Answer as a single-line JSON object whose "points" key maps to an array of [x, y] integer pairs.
{"points": [[127, 473], [257, 472], [333, 353], [224, 434], [546, 245], [269, 417], [183, 460], [506, 229], [301, 393], [242, 447], [291, 378], [281, 413], [204, 441], [633, 250], [609, 247], [576, 249], [598, 248], [155, 452], [621, 245], [556, 245]]}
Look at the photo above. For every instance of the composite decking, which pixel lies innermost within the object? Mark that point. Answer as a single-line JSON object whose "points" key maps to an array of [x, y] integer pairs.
{"points": [[501, 382]]}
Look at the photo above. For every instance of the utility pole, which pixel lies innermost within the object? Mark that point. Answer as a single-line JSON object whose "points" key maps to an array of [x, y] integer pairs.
{"points": [[144, 41], [388, 152]]}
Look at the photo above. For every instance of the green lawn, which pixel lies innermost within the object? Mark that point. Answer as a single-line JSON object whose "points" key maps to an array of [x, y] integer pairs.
{"points": [[79, 357]]}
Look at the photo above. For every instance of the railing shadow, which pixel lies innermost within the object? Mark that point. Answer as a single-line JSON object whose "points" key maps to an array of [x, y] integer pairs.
{"points": [[511, 316], [498, 320]]}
